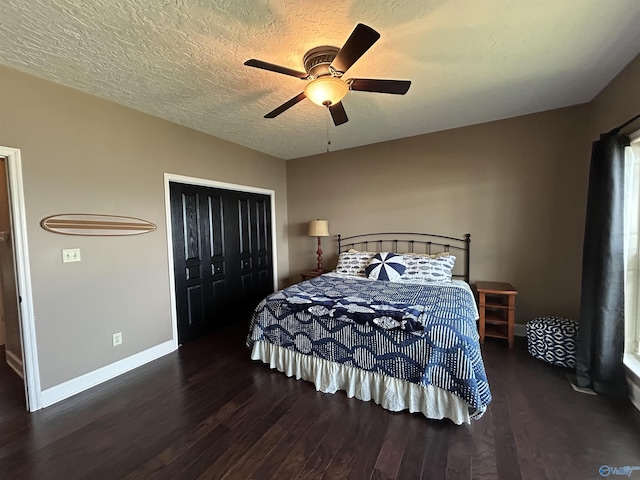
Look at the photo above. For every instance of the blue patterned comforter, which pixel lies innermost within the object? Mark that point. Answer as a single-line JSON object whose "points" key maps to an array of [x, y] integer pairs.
{"points": [[424, 334]]}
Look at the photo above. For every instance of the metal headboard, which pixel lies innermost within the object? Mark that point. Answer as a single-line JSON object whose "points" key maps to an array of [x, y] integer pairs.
{"points": [[411, 243]]}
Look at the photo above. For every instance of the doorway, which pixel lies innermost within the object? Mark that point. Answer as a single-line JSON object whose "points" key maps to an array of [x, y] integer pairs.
{"points": [[15, 281], [222, 252], [10, 336]]}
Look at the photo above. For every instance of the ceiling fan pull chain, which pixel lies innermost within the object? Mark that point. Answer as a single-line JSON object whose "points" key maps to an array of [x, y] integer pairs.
{"points": [[328, 139]]}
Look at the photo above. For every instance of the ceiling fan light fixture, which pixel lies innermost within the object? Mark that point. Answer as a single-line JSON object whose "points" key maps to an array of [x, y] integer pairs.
{"points": [[326, 90]]}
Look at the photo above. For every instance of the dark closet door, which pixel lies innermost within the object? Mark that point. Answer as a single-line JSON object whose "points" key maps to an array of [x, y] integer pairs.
{"points": [[222, 256], [249, 238]]}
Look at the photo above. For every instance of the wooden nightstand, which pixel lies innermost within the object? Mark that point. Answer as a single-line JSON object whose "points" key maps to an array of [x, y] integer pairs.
{"points": [[497, 309], [311, 274]]}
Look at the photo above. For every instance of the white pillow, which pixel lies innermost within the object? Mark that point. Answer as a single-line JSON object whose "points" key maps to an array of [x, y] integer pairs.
{"points": [[422, 268], [353, 262]]}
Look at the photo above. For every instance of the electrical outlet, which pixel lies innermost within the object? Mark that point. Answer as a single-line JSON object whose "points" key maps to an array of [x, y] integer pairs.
{"points": [[70, 255], [117, 338]]}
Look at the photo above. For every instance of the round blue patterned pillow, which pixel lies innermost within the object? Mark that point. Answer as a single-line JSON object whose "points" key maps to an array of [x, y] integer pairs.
{"points": [[386, 266]]}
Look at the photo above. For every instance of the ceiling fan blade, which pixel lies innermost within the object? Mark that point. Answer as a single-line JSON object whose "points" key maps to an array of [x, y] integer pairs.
{"points": [[358, 42], [286, 105], [275, 68], [338, 114], [397, 87]]}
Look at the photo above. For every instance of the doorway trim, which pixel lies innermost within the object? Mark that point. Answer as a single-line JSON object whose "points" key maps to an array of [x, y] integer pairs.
{"points": [[171, 177], [23, 274]]}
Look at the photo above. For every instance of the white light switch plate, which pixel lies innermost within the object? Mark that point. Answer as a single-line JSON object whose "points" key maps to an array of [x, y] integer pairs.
{"points": [[70, 255]]}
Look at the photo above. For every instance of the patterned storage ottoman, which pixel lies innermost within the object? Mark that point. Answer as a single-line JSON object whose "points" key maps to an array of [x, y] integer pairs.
{"points": [[553, 339]]}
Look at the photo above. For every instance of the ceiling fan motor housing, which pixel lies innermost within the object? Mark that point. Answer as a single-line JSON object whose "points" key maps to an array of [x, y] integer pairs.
{"points": [[317, 60]]}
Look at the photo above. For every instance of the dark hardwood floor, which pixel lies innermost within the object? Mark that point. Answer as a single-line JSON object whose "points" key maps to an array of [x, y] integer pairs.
{"points": [[207, 411]]}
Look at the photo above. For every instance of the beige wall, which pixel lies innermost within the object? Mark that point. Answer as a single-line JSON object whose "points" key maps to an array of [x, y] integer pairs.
{"points": [[517, 185], [618, 102], [81, 154]]}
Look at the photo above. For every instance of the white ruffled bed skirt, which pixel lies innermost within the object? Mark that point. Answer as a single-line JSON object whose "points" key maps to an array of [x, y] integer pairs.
{"points": [[390, 393]]}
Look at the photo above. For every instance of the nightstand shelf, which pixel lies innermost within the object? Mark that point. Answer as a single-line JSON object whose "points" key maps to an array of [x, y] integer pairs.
{"points": [[497, 308]]}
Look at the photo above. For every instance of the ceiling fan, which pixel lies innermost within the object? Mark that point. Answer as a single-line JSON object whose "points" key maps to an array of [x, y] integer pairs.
{"points": [[324, 67]]}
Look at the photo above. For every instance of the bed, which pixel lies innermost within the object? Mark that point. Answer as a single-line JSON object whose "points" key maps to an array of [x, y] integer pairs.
{"points": [[404, 337]]}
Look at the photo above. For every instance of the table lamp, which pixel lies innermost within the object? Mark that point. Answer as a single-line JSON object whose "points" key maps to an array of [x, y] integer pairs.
{"points": [[319, 228]]}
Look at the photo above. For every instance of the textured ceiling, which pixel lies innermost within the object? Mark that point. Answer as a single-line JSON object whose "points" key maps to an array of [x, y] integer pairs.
{"points": [[470, 61]]}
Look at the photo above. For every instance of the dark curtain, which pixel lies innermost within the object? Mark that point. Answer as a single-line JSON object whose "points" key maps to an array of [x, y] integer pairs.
{"points": [[600, 344]]}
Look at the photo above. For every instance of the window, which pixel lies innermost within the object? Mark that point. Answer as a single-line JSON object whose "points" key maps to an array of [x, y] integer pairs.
{"points": [[632, 247]]}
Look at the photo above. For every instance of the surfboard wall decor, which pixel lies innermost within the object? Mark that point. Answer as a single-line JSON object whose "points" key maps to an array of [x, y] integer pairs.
{"points": [[96, 225]]}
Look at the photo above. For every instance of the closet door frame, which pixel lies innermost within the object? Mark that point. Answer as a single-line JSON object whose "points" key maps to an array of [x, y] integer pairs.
{"points": [[170, 177]]}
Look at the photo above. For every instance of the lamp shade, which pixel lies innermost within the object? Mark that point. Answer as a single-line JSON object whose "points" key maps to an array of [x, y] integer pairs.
{"points": [[326, 90], [318, 228]]}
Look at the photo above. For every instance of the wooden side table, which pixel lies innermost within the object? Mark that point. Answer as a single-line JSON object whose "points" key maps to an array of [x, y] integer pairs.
{"points": [[311, 274], [497, 309]]}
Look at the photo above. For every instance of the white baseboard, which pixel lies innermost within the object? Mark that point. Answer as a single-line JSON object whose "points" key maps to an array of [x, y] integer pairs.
{"points": [[15, 363], [84, 382], [632, 362]]}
